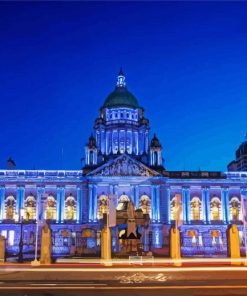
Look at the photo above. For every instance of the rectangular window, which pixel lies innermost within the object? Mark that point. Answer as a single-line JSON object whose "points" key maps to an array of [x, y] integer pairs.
{"points": [[11, 238], [4, 233], [200, 241]]}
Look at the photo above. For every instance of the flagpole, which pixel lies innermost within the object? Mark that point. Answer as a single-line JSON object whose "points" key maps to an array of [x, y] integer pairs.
{"points": [[176, 229], [35, 262], [37, 232], [107, 226], [245, 238], [244, 226]]}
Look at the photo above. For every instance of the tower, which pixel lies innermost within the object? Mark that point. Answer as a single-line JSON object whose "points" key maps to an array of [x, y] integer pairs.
{"points": [[121, 127], [155, 152], [240, 163], [91, 152]]}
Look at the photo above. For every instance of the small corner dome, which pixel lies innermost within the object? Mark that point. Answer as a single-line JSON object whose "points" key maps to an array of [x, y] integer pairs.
{"points": [[121, 97]]}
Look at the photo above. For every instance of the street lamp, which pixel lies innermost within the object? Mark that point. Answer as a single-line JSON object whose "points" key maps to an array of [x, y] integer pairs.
{"points": [[20, 257]]}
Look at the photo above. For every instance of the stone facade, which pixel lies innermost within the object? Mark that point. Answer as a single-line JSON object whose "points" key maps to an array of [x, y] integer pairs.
{"points": [[120, 160]]}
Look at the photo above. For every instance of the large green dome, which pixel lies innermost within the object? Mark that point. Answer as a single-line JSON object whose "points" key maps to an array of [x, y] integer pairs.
{"points": [[121, 97]]}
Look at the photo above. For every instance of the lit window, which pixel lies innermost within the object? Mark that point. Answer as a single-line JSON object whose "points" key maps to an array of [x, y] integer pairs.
{"points": [[50, 208], [215, 208], [4, 233], [30, 208], [220, 241], [235, 211], [70, 208], [145, 204], [193, 240], [11, 238], [195, 209], [10, 205], [200, 240], [123, 202], [102, 205]]}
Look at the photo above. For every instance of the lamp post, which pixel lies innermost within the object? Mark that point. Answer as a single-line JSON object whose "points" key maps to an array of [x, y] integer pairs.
{"points": [[20, 257]]}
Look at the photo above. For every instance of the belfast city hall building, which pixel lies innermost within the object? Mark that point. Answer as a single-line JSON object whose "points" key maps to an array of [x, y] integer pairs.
{"points": [[123, 160]]}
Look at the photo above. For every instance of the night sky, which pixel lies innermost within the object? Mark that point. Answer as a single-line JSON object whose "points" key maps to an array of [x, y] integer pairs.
{"points": [[185, 62]]}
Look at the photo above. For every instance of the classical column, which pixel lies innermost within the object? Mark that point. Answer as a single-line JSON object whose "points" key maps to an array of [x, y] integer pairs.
{"points": [[2, 202], [62, 197], [225, 204], [167, 206], [137, 144], [146, 142], [94, 203], [243, 192], [132, 193], [206, 205], [20, 200], [40, 211], [184, 205], [188, 204], [131, 142], [153, 203], [102, 141], [137, 197], [118, 141], [115, 192], [58, 202], [157, 203], [78, 204], [90, 202]]}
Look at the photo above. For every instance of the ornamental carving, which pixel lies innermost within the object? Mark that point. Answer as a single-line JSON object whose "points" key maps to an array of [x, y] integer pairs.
{"points": [[123, 166]]}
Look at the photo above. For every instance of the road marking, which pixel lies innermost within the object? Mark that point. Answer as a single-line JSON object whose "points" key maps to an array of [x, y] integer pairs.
{"points": [[123, 269], [84, 284], [126, 288]]}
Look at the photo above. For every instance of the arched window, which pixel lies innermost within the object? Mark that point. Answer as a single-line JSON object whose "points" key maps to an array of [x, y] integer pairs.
{"points": [[102, 205], [215, 209], [70, 208], [50, 212], [29, 207], [193, 235], [10, 207], [176, 207], [235, 209], [195, 209], [91, 157], [145, 204], [155, 158], [123, 202]]}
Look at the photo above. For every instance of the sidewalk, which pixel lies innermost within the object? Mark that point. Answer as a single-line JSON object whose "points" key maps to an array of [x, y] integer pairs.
{"points": [[135, 261]]}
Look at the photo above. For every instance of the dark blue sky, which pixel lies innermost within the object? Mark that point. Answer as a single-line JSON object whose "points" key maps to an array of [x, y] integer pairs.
{"points": [[185, 62]]}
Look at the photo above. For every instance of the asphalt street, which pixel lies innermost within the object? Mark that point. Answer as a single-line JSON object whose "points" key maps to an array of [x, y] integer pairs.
{"points": [[133, 280]]}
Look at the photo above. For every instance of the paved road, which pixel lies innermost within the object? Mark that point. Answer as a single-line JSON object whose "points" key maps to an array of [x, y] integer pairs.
{"points": [[201, 281]]}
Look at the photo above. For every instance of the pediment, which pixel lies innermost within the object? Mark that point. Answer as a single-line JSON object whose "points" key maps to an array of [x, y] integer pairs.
{"points": [[124, 165]]}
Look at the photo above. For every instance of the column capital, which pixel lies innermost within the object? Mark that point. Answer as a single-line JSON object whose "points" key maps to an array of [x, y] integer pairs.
{"points": [[20, 186], [185, 189], [243, 189], [224, 188]]}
